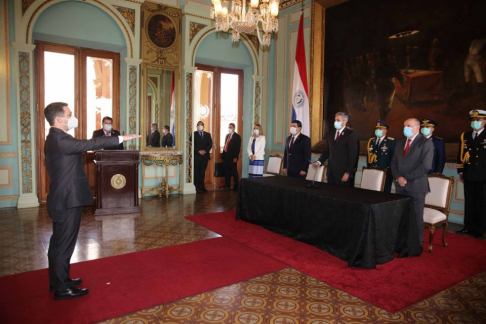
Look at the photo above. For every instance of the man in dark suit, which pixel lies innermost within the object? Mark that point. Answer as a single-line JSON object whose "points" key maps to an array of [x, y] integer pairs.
{"points": [[297, 152], [471, 166], [108, 131], [154, 138], [427, 128], [167, 139], [341, 153], [410, 165], [380, 152], [231, 152], [202, 147], [69, 191]]}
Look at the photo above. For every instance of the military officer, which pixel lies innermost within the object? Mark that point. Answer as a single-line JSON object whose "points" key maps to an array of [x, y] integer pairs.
{"points": [[380, 151], [471, 166], [427, 128]]}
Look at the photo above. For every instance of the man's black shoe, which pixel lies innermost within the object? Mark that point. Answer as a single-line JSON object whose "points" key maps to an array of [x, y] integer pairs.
{"points": [[70, 283], [73, 292], [224, 188], [463, 231], [204, 190], [478, 235]]}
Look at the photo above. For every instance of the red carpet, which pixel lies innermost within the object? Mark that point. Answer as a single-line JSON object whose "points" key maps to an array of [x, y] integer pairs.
{"points": [[131, 282], [392, 286]]}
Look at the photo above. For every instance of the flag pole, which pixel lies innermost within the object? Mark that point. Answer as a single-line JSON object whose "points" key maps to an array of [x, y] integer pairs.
{"points": [[302, 7]]}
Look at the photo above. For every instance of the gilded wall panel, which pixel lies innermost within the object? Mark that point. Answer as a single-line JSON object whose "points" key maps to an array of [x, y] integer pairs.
{"points": [[25, 121]]}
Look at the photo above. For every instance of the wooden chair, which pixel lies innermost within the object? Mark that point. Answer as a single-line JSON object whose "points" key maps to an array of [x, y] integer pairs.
{"points": [[437, 205], [274, 166], [373, 179], [316, 174]]}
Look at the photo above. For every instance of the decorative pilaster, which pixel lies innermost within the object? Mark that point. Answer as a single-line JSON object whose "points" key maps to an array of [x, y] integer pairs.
{"points": [[25, 119], [257, 101], [133, 109], [188, 184]]}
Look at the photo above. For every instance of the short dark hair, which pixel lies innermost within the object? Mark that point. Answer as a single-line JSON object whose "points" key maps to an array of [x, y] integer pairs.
{"points": [[299, 124], [154, 124], [167, 127], [200, 122], [105, 118], [53, 110], [231, 124]]}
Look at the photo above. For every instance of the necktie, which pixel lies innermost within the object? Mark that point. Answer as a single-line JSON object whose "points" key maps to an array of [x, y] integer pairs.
{"points": [[475, 134], [337, 136], [201, 134], [377, 142], [291, 142], [227, 143], [407, 147]]}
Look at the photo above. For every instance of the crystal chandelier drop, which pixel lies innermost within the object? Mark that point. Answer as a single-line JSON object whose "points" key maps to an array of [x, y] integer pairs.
{"points": [[242, 21]]}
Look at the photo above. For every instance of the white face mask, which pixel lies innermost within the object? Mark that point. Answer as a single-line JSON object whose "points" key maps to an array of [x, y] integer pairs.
{"points": [[230, 130], [165, 131], [338, 125], [256, 131], [293, 130], [153, 129], [200, 127], [108, 127], [72, 122]]}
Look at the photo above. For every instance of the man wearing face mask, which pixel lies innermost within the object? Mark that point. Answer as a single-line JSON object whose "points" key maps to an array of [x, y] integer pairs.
{"points": [[202, 147], [427, 128], [154, 139], [167, 139], [471, 166], [410, 165], [380, 152], [69, 191], [341, 153], [231, 152], [108, 131], [297, 152]]}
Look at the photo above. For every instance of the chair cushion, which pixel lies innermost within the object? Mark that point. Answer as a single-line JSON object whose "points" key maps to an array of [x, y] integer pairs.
{"points": [[372, 179], [274, 163], [439, 188], [268, 175], [433, 216]]}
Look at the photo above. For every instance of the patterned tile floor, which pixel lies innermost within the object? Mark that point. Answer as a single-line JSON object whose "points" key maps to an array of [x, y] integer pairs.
{"points": [[283, 297]]}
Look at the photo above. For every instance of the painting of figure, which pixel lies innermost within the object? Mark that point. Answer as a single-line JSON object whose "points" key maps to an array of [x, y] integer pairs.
{"points": [[161, 31], [394, 60]]}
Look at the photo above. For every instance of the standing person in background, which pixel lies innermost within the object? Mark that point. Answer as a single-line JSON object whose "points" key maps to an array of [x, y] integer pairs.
{"points": [[342, 152], [231, 153], [256, 152], [380, 152], [297, 152], [202, 146], [427, 129], [410, 165], [167, 139], [154, 140], [107, 130], [69, 191]]}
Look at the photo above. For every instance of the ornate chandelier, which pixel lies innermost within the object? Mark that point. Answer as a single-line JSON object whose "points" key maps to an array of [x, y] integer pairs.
{"points": [[242, 21]]}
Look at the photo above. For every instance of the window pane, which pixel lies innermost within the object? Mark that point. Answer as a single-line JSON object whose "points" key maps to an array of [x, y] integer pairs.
{"points": [[59, 81], [99, 94], [229, 104]]}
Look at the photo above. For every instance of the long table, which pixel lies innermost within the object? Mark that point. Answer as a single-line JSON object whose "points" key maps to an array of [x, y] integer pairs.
{"points": [[361, 227]]}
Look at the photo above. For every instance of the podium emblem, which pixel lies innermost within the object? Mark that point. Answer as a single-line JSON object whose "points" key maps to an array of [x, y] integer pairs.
{"points": [[118, 181]]}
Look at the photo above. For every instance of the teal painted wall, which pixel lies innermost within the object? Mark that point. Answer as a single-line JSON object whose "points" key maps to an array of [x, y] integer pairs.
{"points": [[217, 50]]}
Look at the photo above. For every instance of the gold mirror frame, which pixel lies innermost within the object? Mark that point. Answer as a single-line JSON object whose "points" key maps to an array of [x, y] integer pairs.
{"points": [[167, 58]]}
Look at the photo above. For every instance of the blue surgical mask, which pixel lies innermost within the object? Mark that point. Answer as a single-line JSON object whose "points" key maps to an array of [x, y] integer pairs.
{"points": [[407, 131], [256, 131], [338, 125], [379, 133], [425, 131], [476, 124]]}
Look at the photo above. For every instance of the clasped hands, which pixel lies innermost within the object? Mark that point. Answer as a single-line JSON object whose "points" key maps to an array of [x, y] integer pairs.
{"points": [[402, 181]]}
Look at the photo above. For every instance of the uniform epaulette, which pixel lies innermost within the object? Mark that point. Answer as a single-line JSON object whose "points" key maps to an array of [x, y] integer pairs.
{"points": [[391, 138]]}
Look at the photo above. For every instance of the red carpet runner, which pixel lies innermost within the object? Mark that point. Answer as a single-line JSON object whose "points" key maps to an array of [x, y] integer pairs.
{"points": [[392, 286], [133, 281]]}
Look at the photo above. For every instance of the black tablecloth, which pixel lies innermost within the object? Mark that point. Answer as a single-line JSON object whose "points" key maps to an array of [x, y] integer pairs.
{"points": [[362, 227]]}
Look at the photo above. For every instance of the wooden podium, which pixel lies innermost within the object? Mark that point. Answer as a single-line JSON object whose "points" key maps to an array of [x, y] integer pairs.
{"points": [[116, 182]]}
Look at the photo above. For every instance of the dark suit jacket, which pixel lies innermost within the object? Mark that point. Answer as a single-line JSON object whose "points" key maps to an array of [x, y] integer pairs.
{"points": [[205, 143], [64, 161], [415, 166], [101, 133], [343, 155], [439, 154], [384, 153], [234, 147], [296, 158], [474, 168], [154, 139], [167, 140]]}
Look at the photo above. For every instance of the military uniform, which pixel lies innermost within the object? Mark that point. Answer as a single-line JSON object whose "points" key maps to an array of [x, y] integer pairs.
{"points": [[439, 160], [471, 162], [380, 155]]}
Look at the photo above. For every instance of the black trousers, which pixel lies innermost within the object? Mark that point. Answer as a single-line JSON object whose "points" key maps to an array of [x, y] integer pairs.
{"points": [[333, 180], [418, 206], [388, 182], [475, 206], [230, 170], [65, 228], [200, 166]]}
